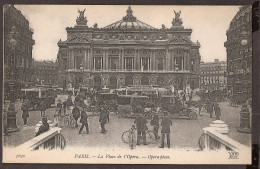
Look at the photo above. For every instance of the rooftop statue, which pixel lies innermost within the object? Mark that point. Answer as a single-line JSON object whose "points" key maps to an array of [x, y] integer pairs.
{"points": [[81, 19], [81, 13], [177, 21]]}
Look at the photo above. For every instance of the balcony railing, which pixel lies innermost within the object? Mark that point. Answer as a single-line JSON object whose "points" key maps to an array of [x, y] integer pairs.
{"points": [[51, 139], [221, 141]]}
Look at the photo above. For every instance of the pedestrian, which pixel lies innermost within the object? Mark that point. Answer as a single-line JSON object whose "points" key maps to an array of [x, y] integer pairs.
{"points": [[183, 99], [76, 115], [209, 108], [132, 136], [141, 127], [84, 121], [69, 101], [59, 107], [44, 127], [190, 97], [200, 105], [155, 123], [56, 117], [25, 109], [103, 119], [217, 112], [42, 108], [166, 129], [64, 107]]}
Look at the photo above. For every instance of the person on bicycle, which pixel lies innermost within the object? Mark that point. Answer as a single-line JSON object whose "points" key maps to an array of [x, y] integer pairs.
{"points": [[155, 123], [166, 129], [141, 127], [84, 121], [76, 115]]}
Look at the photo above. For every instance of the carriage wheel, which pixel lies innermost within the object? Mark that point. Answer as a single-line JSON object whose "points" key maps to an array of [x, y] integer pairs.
{"points": [[193, 116]]}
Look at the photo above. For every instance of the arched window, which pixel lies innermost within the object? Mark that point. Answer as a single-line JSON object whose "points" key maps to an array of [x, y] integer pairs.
{"points": [[112, 82], [128, 81], [144, 80]]}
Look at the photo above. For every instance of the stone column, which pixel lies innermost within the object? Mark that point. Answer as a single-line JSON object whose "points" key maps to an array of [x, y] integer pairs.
{"points": [[154, 60], [85, 59], [69, 59], [120, 66], [106, 59], [138, 61], [73, 59]]}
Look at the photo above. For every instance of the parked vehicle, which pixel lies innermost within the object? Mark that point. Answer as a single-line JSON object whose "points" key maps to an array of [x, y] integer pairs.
{"points": [[174, 106], [36, 95]]}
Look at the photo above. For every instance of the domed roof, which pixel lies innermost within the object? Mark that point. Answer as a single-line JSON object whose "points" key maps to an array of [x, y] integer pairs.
{"points": [[129, 22]]}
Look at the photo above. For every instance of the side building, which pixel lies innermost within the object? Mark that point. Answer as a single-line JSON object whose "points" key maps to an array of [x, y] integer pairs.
{"points": [[44, 73], [128, 52], [239, 54], [213, 75], [14, 19]]}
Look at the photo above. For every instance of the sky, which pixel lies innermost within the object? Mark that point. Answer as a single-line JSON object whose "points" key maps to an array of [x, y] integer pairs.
{"points": [[209, 24]]}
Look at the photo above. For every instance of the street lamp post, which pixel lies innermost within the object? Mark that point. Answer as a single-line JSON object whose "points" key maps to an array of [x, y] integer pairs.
{"points": [[11, 114], [244, 113]]}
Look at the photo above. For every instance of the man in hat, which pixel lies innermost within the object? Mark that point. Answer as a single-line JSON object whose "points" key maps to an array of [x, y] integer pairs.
{"points": [[42, 108], [155, 122], [166, 129], [84, 121], [141, 127], [44, 127], [76, 114], [103, 119], [59, 107], [217, 111], [25, 109]]}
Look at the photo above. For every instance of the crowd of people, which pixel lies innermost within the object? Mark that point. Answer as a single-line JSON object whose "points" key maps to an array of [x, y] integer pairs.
{"points": [[78, 108]]}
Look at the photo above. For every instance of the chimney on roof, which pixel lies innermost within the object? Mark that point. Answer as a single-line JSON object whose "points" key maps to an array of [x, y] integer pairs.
{"points": [[216, 60]]}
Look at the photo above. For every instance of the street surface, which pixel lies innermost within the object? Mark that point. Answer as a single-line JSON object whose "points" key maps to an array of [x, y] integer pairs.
{"points": [[184, 132]]}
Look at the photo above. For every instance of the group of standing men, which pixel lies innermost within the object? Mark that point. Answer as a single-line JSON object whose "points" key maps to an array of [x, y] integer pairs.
{"points": [[141, 126]]}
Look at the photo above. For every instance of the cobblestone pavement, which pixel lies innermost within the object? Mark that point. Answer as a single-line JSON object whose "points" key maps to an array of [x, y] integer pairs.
{"points": [[184, 133]]}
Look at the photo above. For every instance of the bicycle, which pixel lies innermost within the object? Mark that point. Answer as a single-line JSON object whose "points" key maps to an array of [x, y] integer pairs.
{"points": [[150, 136], [69, 121]]}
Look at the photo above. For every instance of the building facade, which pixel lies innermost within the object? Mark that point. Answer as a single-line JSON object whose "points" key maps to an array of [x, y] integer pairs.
{"points": [[14, 19], [239, 53], [44, 73], [213, 75], [128, 52]]}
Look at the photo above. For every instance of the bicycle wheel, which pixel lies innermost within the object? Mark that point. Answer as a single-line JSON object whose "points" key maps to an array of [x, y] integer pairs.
{"points": [[66, 122], [125, 137]]}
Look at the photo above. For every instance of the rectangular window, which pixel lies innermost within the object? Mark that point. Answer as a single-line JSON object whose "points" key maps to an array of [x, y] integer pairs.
{"points": [[179, 63], [145, 63], [160, 64], [98, 63], [113, 63], [129, 63]]}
